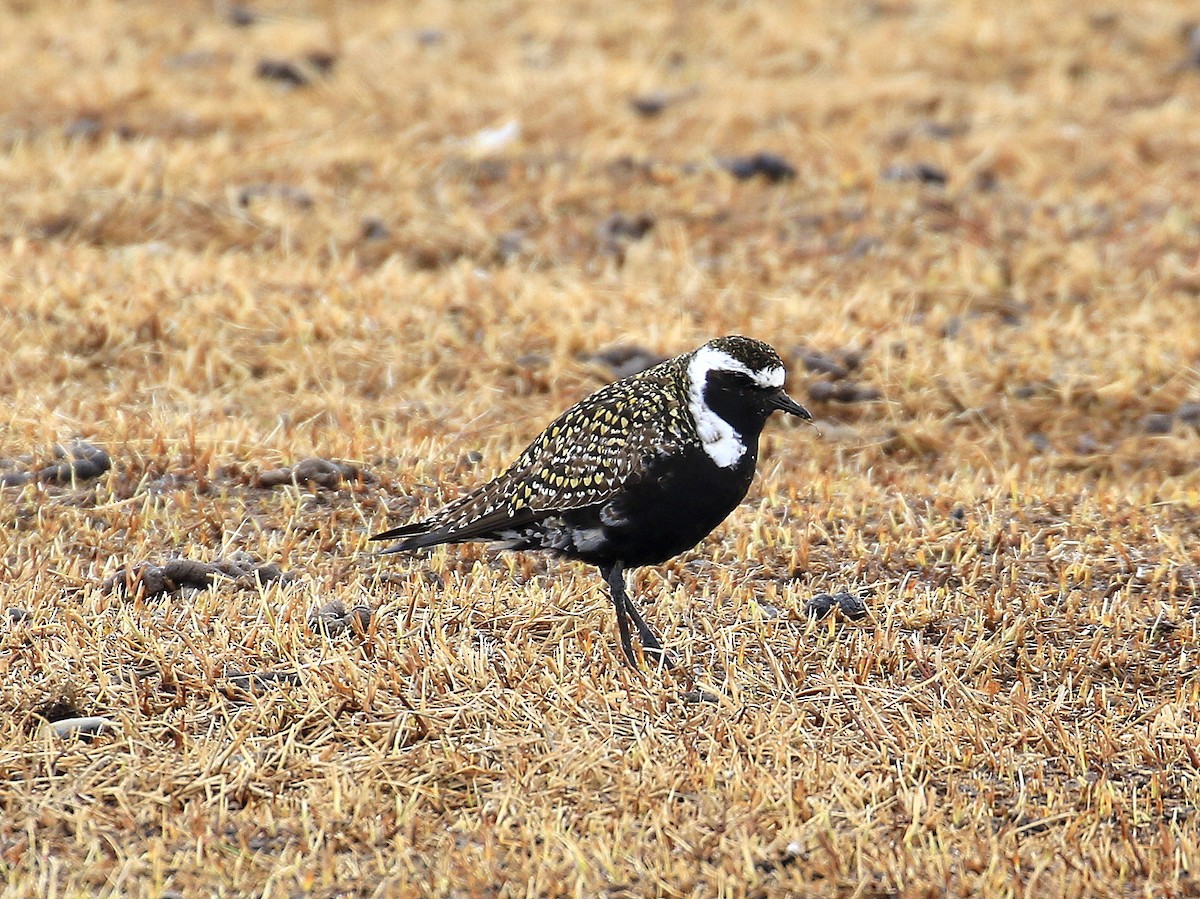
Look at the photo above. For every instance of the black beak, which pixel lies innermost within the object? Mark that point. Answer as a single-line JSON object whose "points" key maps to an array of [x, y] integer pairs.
{"points": [[786, 404]]}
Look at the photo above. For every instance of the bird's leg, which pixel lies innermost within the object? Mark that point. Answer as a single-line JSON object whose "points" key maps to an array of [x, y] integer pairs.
{"points": [[615, 576], [649, 640]]}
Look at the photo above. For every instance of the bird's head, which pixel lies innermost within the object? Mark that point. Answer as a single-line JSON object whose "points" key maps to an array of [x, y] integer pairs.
{"points": [[734, 384]]}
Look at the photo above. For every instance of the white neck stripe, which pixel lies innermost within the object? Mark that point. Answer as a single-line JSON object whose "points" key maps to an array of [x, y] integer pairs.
{"points": [[722, 443]]}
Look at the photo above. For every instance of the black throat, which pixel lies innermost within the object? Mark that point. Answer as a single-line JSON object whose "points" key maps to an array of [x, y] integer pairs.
{"points": [[744, 413]]}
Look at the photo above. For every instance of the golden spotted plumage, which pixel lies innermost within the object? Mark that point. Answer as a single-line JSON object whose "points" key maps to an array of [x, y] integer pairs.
{"points": [[586, 455]]}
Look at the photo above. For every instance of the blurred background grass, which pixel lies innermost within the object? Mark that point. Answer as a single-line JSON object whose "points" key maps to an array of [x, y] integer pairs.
{"points": [[406, 236]]}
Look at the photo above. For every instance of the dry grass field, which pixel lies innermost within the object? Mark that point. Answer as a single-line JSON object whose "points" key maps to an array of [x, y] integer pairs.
{"points": [[402, 238]]}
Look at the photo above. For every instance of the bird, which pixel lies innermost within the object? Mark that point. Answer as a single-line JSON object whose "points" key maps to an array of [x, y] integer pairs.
{"points": [[638, 472]]}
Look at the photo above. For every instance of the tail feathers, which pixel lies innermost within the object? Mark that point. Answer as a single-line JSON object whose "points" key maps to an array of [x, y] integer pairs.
{"points": [[420, 541], [405, 530], [431, 532], [413, 536]]}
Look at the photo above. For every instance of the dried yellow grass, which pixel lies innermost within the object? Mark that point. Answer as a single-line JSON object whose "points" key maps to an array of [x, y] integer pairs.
{"points": [[187, 280]]}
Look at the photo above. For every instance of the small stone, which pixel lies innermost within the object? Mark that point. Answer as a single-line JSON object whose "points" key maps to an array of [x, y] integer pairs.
{"points": [[259, 680], [430, 37], [922, 172], [329, 619], [951, 328], [842, 392], [360, 619], [620, 226], [241, 16], [281, 70], [940, 130], [17, 615], [374, 229], [1189, 414], [296, 196], [296, 74], [864, 246], [820, 605], [772, 168], [332, 618], [627, 359], [1157, 423], [532, 361], [651, 104], [823, 364], [509, 245], [323, 472], [850, 605], [86, 127], [1191, 59]]}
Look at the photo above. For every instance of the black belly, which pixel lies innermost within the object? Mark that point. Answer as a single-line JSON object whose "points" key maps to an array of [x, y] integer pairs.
{"points": [[667, 513]]}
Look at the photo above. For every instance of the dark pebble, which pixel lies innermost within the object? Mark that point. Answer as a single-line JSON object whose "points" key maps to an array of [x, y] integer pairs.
{"points": [[848, 604], [922, 172], [281, 70], [650, 105], [430, 37], [852, 606], [626, 360], [771, 167], [240, 16], [257, 680], [309, 473], [1157, 423], [842, 392], [333, 618], [86, 127], [321, 61], [864, 246], [509, 245], [374, 229], [1189, 414], [823, 364], [16, 615], [630, 227], [81, 461], [1191, 59], [297, 196], [176, 574], [940, 130], [296, 74]]}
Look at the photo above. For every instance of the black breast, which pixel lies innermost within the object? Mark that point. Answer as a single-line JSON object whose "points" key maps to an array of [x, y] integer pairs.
{"points": [[669, 511]]}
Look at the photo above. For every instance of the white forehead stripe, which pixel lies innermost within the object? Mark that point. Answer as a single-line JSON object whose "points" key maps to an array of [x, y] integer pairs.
{"points": [[707, 359], [722, 443], [768, 377]]}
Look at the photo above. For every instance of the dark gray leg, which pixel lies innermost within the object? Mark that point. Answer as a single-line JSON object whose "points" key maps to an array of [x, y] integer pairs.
{"points": [[649, 641], [615, 575]]}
